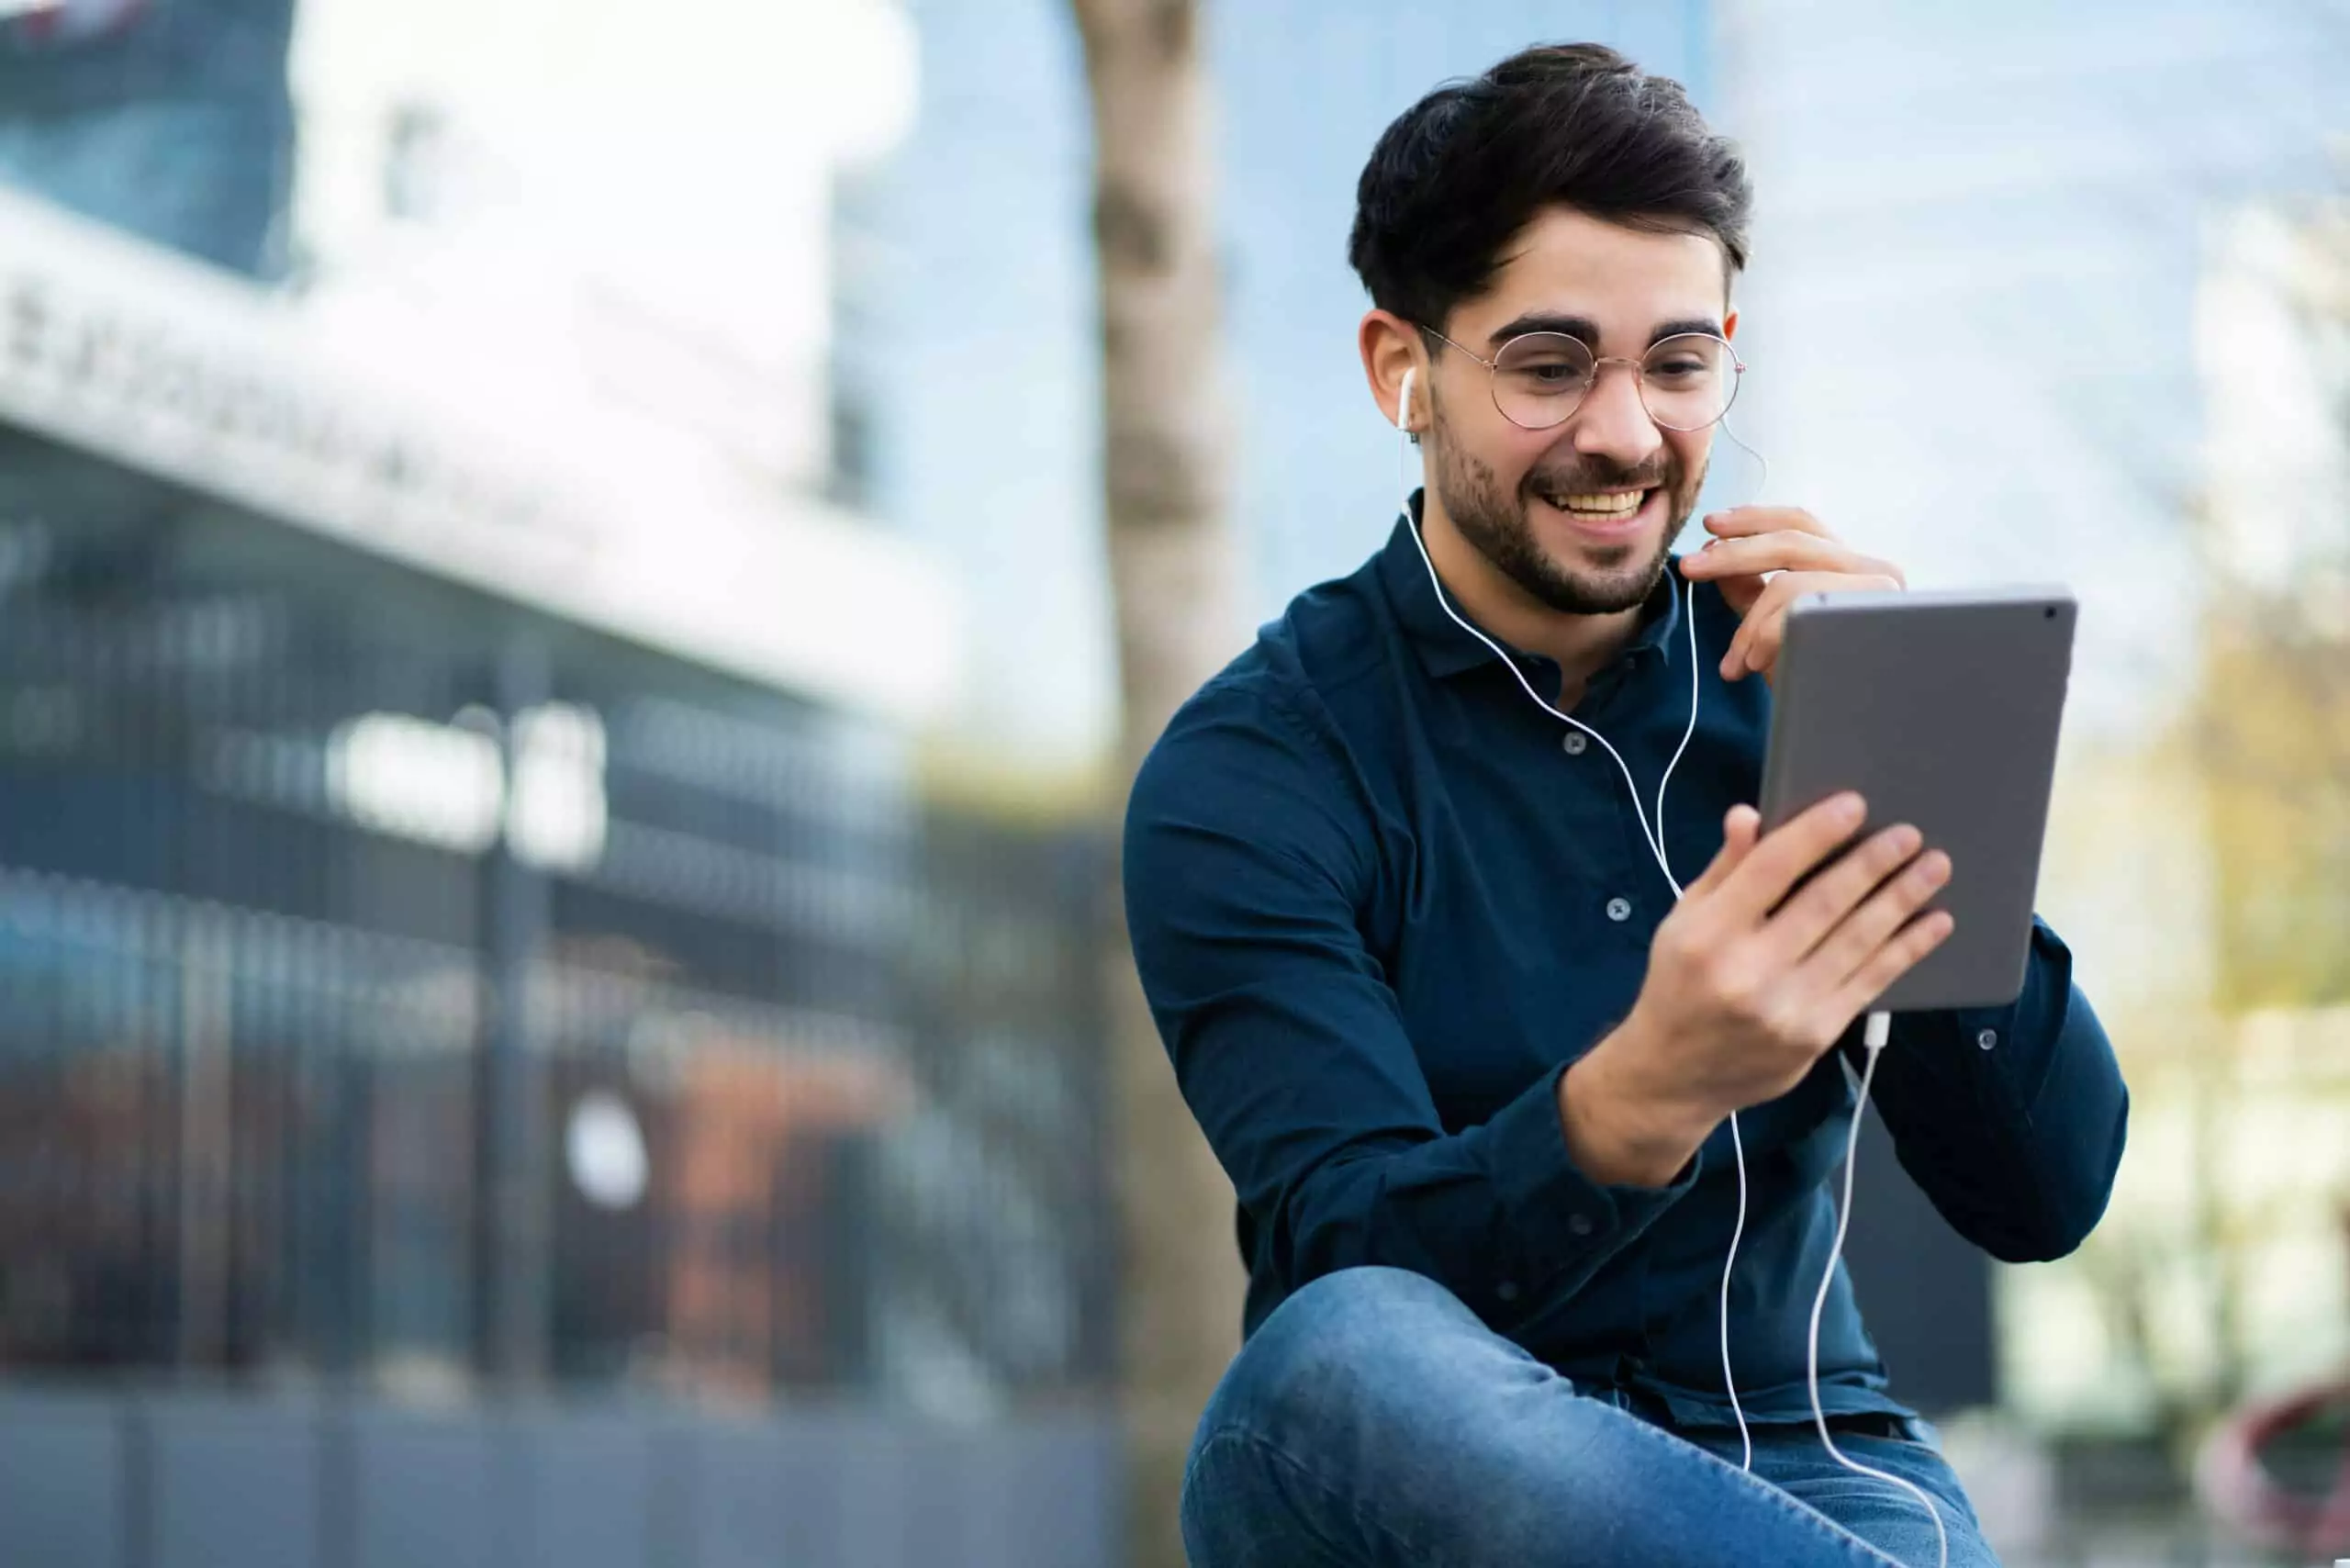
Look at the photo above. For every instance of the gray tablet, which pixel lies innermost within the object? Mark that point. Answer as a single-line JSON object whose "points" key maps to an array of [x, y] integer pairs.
{"points": [[1942, 709]]}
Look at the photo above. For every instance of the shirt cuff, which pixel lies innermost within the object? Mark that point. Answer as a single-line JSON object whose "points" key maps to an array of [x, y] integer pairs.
{"points": [[2008, 1042], [1562, 1226]]}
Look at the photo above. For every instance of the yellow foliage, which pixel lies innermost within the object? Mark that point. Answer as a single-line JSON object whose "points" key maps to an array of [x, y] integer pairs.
{"points": [[2272, 734]]}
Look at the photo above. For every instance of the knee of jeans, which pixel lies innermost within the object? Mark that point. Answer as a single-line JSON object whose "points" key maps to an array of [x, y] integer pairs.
{"points": [[1346, 1346]]}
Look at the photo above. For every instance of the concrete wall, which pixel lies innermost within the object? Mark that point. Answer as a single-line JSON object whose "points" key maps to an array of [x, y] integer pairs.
{"points": [[204, 1481]]}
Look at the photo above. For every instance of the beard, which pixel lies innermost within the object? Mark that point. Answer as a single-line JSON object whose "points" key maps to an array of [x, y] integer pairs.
{"points": [[1499, 528]]}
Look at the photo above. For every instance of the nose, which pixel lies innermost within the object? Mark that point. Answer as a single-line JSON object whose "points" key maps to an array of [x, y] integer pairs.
{"points": [[1612, 423]]}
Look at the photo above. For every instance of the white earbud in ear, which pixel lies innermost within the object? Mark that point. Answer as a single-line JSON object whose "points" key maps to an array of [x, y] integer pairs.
{"points": [[1404, 403]]}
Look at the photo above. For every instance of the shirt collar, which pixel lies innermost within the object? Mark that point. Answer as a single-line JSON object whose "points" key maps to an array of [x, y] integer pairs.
{"points": [[1446, 648]]}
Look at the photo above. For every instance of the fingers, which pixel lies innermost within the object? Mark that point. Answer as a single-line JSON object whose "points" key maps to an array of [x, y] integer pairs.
{"points": [[1783, 550], [1763, 877], [1888, 963], [1764, 627], [1882, 909], [1738, 521], [1755, 644], [1829, 908], [1764, 558], [1787, 550]]}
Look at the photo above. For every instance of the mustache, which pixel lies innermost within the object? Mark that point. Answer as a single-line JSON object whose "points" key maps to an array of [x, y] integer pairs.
{"points": [[1585, 477]]}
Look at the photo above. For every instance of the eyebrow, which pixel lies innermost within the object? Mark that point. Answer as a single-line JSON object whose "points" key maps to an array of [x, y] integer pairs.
{"points": [[1587, 330]]}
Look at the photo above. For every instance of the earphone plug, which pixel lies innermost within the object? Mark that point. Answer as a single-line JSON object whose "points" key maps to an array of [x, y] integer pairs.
{"points": [[1404, 403]]}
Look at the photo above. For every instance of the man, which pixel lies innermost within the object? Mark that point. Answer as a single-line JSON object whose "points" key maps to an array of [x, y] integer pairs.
{"points": [[1428, 991]]}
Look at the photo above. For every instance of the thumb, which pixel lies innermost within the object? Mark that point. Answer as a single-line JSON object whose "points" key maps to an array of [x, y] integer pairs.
{"points": [[1741, 593], [1740, 830]]}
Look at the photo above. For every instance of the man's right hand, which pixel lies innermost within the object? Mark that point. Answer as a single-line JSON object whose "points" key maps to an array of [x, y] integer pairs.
{"points": [[1747, 987]]}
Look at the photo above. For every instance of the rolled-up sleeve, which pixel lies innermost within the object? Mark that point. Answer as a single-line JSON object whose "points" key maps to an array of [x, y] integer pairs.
{"points": [[1247, 861], [2010, 1119]]}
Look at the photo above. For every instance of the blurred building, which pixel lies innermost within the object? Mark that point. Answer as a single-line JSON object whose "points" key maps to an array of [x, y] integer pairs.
{"points": [[479, 931], [2009, 319], [2019, 200]]}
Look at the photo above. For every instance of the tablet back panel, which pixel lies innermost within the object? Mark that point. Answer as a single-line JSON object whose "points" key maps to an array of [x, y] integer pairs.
{"points": [[1942, 709]]}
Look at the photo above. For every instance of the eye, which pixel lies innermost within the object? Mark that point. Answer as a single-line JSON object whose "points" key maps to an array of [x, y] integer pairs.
{"points": [[1545, 364]]}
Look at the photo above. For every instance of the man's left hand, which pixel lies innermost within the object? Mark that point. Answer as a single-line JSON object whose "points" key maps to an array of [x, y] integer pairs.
{"points": [[1767, 558]]}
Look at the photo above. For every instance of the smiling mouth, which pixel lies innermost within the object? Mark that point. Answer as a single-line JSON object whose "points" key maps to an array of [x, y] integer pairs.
{"points": [[1596, 506]]}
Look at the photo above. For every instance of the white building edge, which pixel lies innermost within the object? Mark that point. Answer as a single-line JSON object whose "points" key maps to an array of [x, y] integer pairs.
{"points": [[423, 446]]}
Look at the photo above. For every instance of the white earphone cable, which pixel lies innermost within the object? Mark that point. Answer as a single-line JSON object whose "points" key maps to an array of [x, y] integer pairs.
{"points": [[1654, 838], [1872, 1043], [1877, 1027]]}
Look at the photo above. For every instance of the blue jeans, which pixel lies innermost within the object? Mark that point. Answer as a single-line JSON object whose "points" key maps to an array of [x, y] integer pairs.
{"points": [[1373, 1422]]}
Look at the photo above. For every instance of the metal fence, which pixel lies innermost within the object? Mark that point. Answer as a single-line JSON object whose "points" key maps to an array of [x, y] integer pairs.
{"points": [[236, 1141], [395, 986]]}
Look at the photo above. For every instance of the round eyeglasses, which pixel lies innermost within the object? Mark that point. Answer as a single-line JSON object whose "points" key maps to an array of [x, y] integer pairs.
{"points": [[1540, 378]]}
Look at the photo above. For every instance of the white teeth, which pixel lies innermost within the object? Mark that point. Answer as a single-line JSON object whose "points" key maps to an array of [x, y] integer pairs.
{"points": [[1616, 504]]}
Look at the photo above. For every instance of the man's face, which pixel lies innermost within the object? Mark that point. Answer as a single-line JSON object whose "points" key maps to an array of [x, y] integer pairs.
{"points": [[1580, 516]]}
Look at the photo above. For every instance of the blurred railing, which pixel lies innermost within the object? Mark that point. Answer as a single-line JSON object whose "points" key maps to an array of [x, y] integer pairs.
{"points": [[381, 969], [234, 1142]]}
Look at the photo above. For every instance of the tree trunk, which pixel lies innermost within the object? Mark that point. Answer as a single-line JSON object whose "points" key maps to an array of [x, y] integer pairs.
{"points": [[1171, 568]]}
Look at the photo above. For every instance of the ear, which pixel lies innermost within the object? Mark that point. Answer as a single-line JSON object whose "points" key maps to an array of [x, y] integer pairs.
{"points": [[1729, 326], [1391, 346]]}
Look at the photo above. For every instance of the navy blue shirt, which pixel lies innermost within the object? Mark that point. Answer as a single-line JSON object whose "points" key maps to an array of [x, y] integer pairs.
{"points": [[1380, 901]]}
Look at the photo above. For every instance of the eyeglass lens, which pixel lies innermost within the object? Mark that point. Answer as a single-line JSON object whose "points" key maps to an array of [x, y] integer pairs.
{"points": [[1686, 383]]}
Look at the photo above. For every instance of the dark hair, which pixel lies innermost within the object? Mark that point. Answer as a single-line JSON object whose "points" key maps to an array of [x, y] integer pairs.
{"points": [[1468, 167]]}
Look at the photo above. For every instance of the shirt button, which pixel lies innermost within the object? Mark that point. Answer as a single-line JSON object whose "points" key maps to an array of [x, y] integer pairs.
{"points": [[1506, 1290], [1574, 741], [1579, 1224], [1619, 910], [1988, 1038]]}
